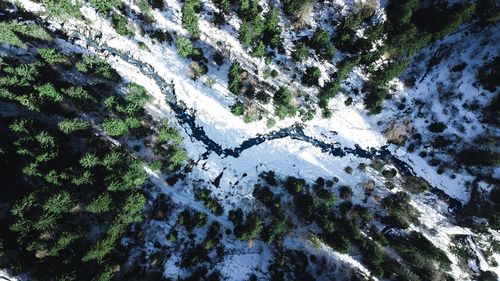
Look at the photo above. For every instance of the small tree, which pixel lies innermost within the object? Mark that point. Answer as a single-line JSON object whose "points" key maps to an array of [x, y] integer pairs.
{"points": [[234, 77], [301, 53], [311, 76], [190, 18], [245, 34], [185, 48], [260, 50], [272, 36]]}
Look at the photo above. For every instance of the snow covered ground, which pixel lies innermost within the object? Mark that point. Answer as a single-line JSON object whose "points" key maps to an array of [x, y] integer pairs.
{"points": [[348, 126]]}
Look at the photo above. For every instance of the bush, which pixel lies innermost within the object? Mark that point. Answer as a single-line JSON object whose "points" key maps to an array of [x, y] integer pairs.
{"points": [[238, 109], [437, 127], [345, 192], [304, 204], [272, 36], [14, 33]]}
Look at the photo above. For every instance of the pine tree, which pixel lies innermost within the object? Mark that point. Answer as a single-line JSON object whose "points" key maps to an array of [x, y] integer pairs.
{"points": [[234, 78], [245, 34], [190, 18], [260, 50], [301, 53], [272, 35]]}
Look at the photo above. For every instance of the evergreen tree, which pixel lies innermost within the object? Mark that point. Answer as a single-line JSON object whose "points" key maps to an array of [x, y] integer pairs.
{"points": [[234, 77], [245, 34], [190, 18], [259, 51], [301, 53]]}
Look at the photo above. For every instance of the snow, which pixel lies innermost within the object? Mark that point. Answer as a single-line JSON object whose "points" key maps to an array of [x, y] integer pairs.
{"points": [[348, 126]]}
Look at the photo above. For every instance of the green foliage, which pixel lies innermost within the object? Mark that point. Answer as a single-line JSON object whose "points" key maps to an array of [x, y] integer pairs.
{"points": [[63, 9], [416, 184], [294, 7], [320, 39], [234, 77], [70, 126], [190, 18], [185, 48], [224, 5], [245, 34], [177, 158], [94, 65], [106, 6], [145, 9], [420, 252], [210, 202], [446, 19], [59, 203], [89, 160], [13, 33], [100, 204], [401, 211], [487, 12], [272, 34], [120, 23], [238, 109], [115, 127], [52, 56], [250, 229], [259, 51], [311, 76], [78, 93], [57, 199], [283, 107], [171, 135], [301, 53], [137, 95]]}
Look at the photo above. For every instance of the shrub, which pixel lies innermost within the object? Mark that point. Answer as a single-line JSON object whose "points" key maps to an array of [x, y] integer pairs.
{"points": [[250, 229], [238, 109], [106, 6], [273, 29], [282, 98], [437, 127], [345, 192], [63, 8], [13, 33]]}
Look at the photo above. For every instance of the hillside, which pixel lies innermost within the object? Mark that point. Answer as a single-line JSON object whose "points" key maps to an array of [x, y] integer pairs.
{"points": [[249, 140]]}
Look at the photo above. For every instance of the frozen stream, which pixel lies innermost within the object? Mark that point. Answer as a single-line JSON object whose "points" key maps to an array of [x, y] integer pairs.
{"points": [[187, 119]]}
